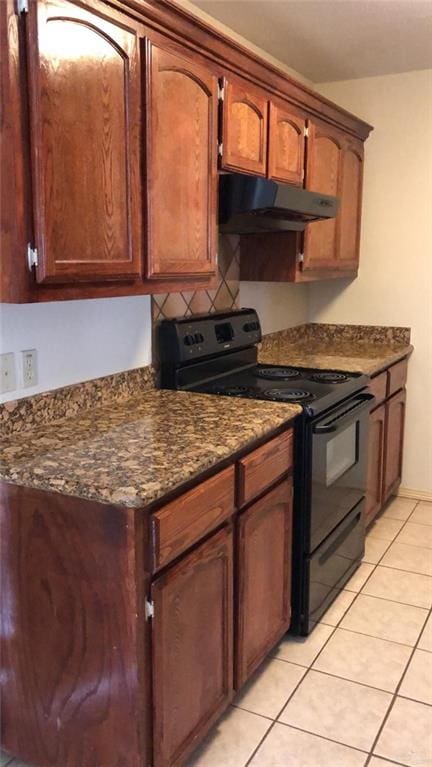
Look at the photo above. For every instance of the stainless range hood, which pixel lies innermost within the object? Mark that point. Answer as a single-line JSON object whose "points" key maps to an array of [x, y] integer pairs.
{"points": [[251, 205]]}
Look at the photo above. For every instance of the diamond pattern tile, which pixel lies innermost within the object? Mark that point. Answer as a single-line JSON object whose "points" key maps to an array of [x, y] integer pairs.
{"points": [[224, 296]]}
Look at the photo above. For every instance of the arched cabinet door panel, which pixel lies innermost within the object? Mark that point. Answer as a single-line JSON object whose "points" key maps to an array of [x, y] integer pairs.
{"points": [[181, 165], [286, 145], [244, 132], [323, 172], [84, 80], [349, 217]]}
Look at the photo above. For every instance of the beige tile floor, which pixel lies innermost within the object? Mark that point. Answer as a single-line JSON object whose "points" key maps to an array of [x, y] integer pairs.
{"points": [[358, 691]]}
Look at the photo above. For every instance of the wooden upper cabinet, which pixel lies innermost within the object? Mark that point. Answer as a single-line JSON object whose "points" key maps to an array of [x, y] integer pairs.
{"points": [[181, 166], [192, 647], [323, 171], [84, 81], [286, 145], [244, 128], [349, 216]]}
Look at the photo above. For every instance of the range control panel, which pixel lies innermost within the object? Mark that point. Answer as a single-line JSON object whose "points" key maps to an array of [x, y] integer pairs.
{"points": [[190, 338]]}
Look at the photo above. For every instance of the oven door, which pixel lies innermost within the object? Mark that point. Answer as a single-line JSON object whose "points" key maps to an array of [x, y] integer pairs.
{"points": [[333, 563], [339, 462]]}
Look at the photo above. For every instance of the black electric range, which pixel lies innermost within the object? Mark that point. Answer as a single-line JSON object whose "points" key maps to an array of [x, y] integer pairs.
{"points": [[217, 354]]}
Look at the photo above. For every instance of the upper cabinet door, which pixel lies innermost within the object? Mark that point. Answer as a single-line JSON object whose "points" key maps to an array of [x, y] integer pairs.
{"points": [[349, 217], [85, 116], [181, 166], [323, 170], [244, 129], [286, 145]]}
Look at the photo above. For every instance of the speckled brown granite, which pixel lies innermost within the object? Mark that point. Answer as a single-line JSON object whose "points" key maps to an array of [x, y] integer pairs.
{"points": [[134, 452], [370, 334], [42, 409], [352, 348]]}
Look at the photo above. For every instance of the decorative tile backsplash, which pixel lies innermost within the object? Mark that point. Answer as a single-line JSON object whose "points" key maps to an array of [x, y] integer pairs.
{"points": [[224, 296]]}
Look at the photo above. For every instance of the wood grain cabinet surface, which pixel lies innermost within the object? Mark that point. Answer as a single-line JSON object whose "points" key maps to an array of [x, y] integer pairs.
{"points": [[264, 577], [386, 437], [263, 466], [375, 471], [393, 442], [192, 632], [179, 524], [84, 89], [181, 166], [244, 128], [349, 216], [286, 144], [323, 174]]}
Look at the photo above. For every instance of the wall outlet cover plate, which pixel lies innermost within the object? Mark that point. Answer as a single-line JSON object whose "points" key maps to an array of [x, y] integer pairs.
{"points": [[7, 372]]}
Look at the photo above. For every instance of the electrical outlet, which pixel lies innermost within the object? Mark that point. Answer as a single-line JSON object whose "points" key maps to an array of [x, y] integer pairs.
{"points": [[7, 372], [29, 368]]}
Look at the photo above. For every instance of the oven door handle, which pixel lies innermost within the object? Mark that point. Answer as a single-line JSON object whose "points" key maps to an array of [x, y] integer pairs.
{"points": [[364, 401]]}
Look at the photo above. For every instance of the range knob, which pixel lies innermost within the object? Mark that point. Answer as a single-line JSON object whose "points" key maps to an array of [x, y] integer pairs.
{"points": [[199, 338], [249, 327], [189, 340]]}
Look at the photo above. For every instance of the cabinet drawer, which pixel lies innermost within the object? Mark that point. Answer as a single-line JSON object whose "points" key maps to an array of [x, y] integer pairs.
{"points": [[397, 376], [263, 466], [179, 524], [378, 387]]}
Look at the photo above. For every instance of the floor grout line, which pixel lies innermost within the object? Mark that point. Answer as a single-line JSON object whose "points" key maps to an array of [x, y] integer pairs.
{"points": [[395, 695], [383, 599], [308, 668], [382, 639]]}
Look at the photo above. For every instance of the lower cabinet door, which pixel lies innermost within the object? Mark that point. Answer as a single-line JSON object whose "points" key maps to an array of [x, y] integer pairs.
{"points": [[264, 580], [374, 488], [393, 442], [192, 648]]}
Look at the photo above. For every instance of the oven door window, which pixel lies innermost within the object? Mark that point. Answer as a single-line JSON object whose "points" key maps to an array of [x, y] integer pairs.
{"points": [[341, 453]]}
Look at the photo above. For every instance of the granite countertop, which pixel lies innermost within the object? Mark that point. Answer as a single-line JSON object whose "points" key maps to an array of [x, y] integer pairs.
{"points": [[326, 347], [136, 451], [369, 360]]}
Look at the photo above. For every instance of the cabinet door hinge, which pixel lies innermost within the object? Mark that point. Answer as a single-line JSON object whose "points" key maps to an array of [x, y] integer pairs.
{"points": [[149, 609], [32, 256], [306, 131], [22, 6], [221, 92], [300, 258], [220, 149]]}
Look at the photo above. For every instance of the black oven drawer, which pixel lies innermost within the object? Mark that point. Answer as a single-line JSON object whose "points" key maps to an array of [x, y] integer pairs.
{"points": [[334, 561], [339, 463]]}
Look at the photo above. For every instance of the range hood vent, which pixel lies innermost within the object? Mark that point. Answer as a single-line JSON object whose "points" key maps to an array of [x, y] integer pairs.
{"points": [[252, 205]]}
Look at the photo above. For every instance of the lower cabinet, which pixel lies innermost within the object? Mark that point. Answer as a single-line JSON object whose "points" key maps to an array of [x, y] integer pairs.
{"points": [[264, 578], [374, 490], [220, 607], [393, 443], [192, 647], [386, 436]]}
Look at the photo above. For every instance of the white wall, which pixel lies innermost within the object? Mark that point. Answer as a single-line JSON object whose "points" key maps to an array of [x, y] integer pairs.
{"points": [[189, 6], [394, 286], [279, 305], [77, 340]]}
